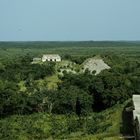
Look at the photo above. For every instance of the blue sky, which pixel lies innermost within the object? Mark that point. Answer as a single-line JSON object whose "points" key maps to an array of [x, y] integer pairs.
{"points": [[62, 20]]}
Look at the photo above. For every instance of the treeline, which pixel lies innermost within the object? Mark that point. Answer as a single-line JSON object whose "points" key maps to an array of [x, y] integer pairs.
{"points": [[77, 93], [50, 44]]}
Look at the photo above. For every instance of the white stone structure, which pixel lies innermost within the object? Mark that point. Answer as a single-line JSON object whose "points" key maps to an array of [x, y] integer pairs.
{"points": [[136, 102], [51, 57], [95, 64]]}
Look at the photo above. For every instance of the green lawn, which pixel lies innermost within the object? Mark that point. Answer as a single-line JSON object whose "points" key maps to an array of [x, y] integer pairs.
{"points": [[52, 81]]}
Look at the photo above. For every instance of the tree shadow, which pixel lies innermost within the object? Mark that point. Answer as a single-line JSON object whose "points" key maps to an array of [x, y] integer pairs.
{"points": [[127, 128]]}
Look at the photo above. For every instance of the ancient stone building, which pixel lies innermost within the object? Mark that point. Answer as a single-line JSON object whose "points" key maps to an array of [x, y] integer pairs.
{"points": [[51, 57]]}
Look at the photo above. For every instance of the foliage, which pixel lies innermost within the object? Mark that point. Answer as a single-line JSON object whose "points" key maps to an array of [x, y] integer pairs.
{"points": [[72, 100], [44, 126]]}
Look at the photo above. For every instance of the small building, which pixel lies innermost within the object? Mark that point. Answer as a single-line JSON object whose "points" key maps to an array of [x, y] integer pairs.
{"points": [[36, 59], [51, 57]]}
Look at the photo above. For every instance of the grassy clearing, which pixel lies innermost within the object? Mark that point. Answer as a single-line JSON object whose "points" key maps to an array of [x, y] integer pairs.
{"points": [[22, 86], [68, 66], [52, 81]]}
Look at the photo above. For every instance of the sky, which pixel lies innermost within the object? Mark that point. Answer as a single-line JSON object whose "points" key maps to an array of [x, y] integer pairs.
{"points": [[69, 20]]}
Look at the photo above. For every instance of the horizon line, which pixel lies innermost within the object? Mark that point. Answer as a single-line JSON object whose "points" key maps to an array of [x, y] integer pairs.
{"points": [[70, 41]]}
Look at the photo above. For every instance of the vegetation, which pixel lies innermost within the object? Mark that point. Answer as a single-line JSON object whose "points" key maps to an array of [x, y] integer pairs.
{"points": [[44, 126], [54, 100]]}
